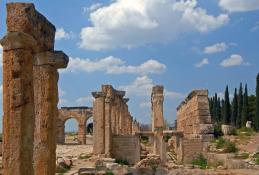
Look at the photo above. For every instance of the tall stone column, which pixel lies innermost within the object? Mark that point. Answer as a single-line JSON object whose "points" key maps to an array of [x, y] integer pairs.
{"points": [[113, 119], [18, 103], [108, 129], [157, 98], [117, 118], [46, 111], [60, 132], [98, 122], [81, 133]]}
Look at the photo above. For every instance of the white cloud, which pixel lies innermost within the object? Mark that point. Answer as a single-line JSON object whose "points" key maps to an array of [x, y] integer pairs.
{"points": [[215, 48], [62, 34], [234, 60], [203, 62], [132, 23], [239, 5], [142, 86], [84, 100], [112, 65], [93, 7]]}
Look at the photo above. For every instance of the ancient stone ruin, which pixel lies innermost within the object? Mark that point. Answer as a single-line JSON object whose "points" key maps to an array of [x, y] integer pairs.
{"points": [[194, 121], [30, 93], [111, 118], [33, 125], [81, 114]]}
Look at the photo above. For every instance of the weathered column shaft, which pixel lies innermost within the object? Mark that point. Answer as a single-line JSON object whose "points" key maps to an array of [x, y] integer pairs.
{"points": [[46, 99], [46, 110], [108, 129], [98, 122], [60, 132], [81, 133], [18, 103], [113, 119]]}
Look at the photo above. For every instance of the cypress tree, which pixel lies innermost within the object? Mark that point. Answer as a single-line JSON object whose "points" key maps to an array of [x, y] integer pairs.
{"points": [[215, 109], [256, 124], [222, 109], [227, 113], [234, 109], [219, 110], [240, 106], [244, 108]]}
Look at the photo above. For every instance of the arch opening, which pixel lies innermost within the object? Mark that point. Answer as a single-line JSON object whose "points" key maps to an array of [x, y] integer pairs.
{"points": [[71, 131]]}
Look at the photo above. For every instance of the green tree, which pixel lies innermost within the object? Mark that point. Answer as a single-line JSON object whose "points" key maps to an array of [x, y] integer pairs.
{"points": [[244, 108], [219, 110], [222, 104], [227, 113], [251, 107], [240, 106], [234, 109], [215, 108], [256, 121]]}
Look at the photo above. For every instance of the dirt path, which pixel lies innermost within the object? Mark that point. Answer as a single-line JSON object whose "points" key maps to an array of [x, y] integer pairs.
{"points": [[252, 145]]}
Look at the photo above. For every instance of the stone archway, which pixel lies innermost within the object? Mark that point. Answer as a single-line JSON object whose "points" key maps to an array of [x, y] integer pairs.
{"points": [[81, 114]]}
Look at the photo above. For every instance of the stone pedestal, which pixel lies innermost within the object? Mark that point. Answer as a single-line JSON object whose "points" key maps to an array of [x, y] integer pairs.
{"points": [[46, 111], [81, 134]]}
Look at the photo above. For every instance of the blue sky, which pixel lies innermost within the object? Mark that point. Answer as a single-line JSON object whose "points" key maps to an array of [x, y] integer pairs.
{"points": [[135, 44]]}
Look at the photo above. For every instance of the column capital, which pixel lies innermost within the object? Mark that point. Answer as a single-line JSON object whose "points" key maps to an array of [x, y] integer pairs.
{"points": [[58, 59], [18, 40], [98, 94]]}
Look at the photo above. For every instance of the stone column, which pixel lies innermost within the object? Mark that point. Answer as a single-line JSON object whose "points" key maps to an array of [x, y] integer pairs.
{"points": [[46, 111], [98, 122], [117, 118], [60, 132], [158, 120], [81, 133], [18, 103], [113, 118], [108, 129]]}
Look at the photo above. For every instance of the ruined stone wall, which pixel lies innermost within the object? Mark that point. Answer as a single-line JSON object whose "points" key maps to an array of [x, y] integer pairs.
{"points": [[191, 149], [193, 115], [126, 148]]}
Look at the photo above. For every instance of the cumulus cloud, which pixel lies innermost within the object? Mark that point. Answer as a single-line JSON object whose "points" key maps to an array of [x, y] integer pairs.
{"points": [[234, 60], [142, 86], [84, 100], [93, 7], [112, 65], [62, 102], [145, 104], [239, 5], [203, 62], [132, 23], [215, 48], [62, 34]]}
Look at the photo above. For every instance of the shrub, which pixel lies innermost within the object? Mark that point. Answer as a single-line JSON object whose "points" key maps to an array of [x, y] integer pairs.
{"points": [[109, 173], [200, 161], [245, 131], [220, 143], [122, 161], [229, 147], [217, 131], [242, 156], [257, 159]]}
